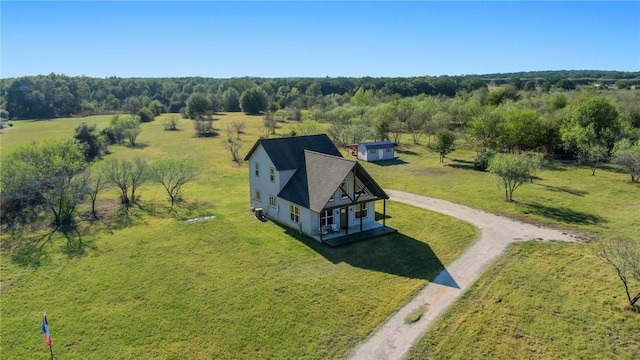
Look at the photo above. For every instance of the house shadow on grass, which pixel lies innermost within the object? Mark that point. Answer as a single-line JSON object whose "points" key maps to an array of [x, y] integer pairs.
{"points": [[395, 254], [563, 214]]}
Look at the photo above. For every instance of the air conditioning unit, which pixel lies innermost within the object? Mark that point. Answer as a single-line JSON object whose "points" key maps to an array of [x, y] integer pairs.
{"points": [[259, 214]]}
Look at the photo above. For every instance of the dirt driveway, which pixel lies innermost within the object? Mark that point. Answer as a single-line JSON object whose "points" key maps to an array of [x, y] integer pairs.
{"points": [[394, 339]]}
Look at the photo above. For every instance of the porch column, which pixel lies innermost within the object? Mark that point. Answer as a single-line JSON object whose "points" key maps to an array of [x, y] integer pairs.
{"points": [[384, 212], [361, 215], [346, 209], [320, 225]]}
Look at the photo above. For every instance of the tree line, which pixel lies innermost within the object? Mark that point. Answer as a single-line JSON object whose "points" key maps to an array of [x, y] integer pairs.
{"points": [[56, 95]]}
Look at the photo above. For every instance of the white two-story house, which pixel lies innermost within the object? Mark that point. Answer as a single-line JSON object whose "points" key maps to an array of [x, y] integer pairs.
{"points": [[304, 183]]}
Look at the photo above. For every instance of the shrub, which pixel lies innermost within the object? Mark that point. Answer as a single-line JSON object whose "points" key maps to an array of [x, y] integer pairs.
{"points": [[483, 158]]}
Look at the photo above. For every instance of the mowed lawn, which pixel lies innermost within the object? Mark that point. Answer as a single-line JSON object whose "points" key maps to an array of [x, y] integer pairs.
{"points": [[542, 300], [153, 286]]}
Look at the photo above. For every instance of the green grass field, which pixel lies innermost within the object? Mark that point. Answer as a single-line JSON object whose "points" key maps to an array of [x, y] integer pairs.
{"points": [[155, 287]]}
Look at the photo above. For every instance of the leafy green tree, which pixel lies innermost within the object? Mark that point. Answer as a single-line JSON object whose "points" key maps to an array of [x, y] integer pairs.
{"points": [[90, 139], [156, 107], [522, 130], [444, 144], [254, 100], [43, 176], [627, 154], [231, 100], [172, 174], [512, 170], [362, 98], [146, 115], [306, 127], [198, 105], [592, 121], [592, 155], [559, 101]]}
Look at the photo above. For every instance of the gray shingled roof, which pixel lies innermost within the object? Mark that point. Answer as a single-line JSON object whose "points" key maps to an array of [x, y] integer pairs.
{"points": [[314, 183], [288, 152], [378, 145]]}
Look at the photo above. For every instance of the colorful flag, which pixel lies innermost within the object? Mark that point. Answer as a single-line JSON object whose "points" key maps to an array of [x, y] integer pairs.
{"points": [[45, 330]]}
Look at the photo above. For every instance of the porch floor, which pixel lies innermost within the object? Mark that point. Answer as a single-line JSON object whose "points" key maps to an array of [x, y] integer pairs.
{"points": [[342, 238]]}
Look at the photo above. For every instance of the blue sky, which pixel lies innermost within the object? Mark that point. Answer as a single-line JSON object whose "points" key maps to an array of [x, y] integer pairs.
{"points": [[315, 39]]}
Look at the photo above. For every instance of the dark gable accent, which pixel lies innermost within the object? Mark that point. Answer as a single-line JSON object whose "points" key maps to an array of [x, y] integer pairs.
{"points": [[313, 184], [287, 153]]}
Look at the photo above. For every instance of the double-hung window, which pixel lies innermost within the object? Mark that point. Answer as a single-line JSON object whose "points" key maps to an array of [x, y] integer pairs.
{"points": [[294, 213], [362, 210], [272, 174], [272, 201], [256, 166], [326, 218]]}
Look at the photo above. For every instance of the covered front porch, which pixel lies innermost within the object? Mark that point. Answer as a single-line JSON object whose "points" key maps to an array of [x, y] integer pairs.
{"points": [[354, 234]]}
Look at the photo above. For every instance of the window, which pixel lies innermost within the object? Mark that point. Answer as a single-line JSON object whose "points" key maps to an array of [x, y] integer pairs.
{"points": [[294, 213], [272, 201], [258, 195], [326, 218], [372, 152], [360, 189], [272, 174], [362, 210], [257, 167], [387, 150], [344, 190]]}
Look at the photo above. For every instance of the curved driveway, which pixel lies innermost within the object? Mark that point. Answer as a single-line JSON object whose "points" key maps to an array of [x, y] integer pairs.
{"points": [[394, 339]]}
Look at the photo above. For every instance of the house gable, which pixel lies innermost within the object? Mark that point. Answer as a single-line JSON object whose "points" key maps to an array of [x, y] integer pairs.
{"points": [[313, 185]]}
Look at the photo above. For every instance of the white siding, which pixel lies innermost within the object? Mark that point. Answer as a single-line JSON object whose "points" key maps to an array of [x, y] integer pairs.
{"points": [[261, 182]]}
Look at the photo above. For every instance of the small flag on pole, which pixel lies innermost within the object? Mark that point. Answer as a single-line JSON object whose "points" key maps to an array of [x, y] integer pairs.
{"points": [[45, 330]]}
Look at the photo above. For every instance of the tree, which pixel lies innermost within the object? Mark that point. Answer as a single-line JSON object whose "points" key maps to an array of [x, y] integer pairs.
{"points": [[146, 115], [627, 154], [198, 105], [592, 155], [172, 174], [239, 127], [306, 127], [91, 141], [171, 124], [512, 171], [43, 176], [127, 174], [156, 107], [270, 123], [445, 143], [231, 100], [592, 121], [131, 128], [522, 130], [624, 256], [254, 100], [233, 145], [204, 127], [95, 181]]}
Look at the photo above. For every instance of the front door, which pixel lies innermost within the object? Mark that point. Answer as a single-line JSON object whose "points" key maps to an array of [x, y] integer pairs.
{"points": [[343, 218], [380, 154]]}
